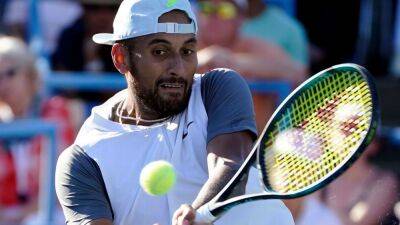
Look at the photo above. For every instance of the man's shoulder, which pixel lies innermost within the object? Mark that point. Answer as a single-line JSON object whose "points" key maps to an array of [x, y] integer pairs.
{"points": [[221, 82], [72, 156], [218, 81], [219, 74]]}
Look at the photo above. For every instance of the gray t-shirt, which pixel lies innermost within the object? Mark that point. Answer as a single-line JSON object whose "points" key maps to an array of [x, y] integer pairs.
{"points": [[79, 182]]}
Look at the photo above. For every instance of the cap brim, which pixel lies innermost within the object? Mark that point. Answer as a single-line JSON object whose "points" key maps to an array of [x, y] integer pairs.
{"points": [[104, 38]]}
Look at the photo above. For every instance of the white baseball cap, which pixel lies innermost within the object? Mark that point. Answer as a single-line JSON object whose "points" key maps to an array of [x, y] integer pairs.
{"points": [[140, 17]]}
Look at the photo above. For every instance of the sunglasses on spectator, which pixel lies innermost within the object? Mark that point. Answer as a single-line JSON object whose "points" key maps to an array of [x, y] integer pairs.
{"points": [[8, 74], [224, 10]]}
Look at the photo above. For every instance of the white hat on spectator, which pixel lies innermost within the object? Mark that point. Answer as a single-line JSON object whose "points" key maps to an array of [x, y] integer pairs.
{"points": [[140, 17]]}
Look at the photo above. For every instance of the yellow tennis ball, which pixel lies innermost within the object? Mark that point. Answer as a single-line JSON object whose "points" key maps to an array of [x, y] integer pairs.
{"points": [[157, 177]]}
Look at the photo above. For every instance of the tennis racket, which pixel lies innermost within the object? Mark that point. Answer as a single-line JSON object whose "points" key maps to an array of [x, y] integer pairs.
{"points": [[318, 131]]}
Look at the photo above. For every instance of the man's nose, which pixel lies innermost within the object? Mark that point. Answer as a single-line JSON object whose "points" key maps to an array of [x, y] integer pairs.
{"points": [[176, 65]]}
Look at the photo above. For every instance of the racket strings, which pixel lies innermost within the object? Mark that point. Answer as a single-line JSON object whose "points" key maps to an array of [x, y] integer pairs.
{"points": [[318, 132]]}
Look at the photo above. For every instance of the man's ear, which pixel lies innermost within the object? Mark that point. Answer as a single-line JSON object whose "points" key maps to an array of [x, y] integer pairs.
{"points": [[118, 56]]}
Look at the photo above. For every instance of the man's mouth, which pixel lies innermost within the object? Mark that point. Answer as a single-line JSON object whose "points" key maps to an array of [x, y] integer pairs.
{"points": [[171, 85]]}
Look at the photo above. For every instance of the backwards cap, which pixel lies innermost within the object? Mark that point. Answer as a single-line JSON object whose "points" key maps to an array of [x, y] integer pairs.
{"points": [[140, 17]]}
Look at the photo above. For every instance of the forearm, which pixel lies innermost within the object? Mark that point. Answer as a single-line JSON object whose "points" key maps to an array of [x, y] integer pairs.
{"points": [[222, 173], [226, 154]]}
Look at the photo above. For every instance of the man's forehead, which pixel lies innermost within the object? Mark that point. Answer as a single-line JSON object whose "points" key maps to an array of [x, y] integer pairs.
{"points": [[173, 39], [165, 38]]}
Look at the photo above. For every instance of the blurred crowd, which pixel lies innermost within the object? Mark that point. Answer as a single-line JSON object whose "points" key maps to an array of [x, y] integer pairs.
{"points": [[264, 40]]}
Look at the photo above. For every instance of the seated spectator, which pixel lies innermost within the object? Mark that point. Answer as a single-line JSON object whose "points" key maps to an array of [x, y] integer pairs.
{"points": [[270, 23], [19, 158], [221, 45], [365, 194], [75, 49]]}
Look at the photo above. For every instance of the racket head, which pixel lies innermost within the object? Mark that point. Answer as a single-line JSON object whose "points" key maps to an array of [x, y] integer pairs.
{"points": [[320, 129]]}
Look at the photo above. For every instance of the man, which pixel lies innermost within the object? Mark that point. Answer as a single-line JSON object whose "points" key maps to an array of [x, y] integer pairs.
{"points": [[202, 124]]}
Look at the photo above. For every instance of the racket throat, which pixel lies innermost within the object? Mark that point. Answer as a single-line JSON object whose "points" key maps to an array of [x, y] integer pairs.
{"points": [[219, 208]]}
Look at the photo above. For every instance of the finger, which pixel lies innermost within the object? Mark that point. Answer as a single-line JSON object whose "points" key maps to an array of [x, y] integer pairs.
{"points": [[182, 215], [177, 214], [187, 215]]}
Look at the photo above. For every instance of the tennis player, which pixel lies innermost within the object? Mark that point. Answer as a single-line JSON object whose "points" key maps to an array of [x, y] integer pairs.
{"points": [[201, 123]]}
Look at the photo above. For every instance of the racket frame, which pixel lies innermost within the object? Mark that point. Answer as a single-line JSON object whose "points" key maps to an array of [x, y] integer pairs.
{"points": [[374, 122], [217, 206]]}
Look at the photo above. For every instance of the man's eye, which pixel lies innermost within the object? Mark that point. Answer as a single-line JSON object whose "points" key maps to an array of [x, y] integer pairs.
{"points": [[188, 51], [159, 52]]}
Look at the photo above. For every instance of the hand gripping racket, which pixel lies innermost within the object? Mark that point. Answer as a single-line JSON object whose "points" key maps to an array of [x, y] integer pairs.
{"points": [[314, 136]]}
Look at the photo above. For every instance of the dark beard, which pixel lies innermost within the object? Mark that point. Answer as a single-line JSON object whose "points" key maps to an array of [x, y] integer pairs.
{"points": [[153, 102]]}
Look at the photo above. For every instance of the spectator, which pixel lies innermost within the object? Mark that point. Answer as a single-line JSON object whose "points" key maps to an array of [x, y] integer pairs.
{"points": [[270, 23], [19, 158], [76, 50], [365, 194], [221, 45]]}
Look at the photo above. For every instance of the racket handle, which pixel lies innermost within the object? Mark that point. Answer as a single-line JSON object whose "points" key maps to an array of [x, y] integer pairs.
{"points": [[203, 215]]}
